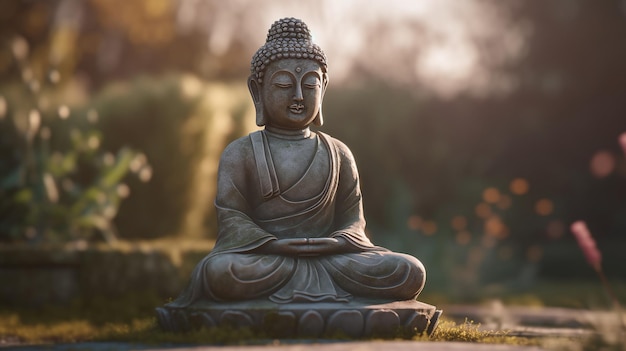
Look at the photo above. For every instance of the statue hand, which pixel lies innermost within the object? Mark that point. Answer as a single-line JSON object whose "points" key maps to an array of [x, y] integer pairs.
{"points": [[316, 246], [305, 246]]}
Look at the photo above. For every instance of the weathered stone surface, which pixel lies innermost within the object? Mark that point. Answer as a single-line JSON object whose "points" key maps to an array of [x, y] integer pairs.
{"points": [[382, 322], [291, 246], [348, 322], [356, 318], [311, 324], [280, 324]]}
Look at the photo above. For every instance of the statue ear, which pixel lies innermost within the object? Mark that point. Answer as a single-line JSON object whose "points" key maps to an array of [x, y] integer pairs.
{"points": [[255, 92], [319, 119]]}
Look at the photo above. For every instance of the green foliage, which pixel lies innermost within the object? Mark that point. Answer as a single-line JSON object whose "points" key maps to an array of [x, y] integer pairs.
{"points": [[59, 194], [56, 182]]}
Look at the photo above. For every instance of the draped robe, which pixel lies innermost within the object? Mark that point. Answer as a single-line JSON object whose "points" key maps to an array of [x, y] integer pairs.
{"points": [[253, 208]]}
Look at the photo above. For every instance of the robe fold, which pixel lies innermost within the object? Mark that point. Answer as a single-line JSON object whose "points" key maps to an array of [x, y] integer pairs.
{"points": [[253, 208]]}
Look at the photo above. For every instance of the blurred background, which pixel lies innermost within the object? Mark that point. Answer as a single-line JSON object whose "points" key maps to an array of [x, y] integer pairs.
{"points": [[482, 129]]}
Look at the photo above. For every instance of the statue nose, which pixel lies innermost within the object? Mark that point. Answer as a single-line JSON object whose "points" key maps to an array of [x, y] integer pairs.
{"points": [[298, 95]]}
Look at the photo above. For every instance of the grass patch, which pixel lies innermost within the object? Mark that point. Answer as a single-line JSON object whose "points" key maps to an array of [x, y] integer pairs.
{"points": [[132, 319], [471, 332], [80, 320], [146, 331]]}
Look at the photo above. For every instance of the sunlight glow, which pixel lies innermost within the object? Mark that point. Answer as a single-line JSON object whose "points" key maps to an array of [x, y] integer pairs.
{"points": [[443, 46]]}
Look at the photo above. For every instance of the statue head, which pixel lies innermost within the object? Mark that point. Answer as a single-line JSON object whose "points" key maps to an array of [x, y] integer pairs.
{"points": [[288, 77]]}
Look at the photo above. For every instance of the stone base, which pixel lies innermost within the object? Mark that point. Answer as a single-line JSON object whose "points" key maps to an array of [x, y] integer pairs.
{"points": [[358, 318]]}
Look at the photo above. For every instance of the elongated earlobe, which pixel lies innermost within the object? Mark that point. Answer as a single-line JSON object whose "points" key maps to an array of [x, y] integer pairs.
{"points": [[255, 92], [319, 118]]}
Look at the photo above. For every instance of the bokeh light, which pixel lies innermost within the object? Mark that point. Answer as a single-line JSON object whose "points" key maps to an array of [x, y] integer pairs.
{"points": [[622, 142], [429, 227], [495, 227], [64, 112], [122, 190], [491, 195], [54, 76], [145, 174], [602, 164], [3, 107], [414, 222], [544, 207], [519, 186], [483, 210]]}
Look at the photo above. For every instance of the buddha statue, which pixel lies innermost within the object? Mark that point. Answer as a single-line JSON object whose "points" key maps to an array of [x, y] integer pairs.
{"points": [[290, 215]]}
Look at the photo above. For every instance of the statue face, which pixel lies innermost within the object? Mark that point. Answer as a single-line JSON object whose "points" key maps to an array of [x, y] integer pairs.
{"points": [[292, 93]]}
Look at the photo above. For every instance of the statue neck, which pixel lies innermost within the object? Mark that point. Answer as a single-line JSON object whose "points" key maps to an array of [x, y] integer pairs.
{"points": [[290, 134]]}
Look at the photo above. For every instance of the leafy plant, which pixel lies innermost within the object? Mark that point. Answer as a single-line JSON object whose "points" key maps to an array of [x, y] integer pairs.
{"points": [[56, 183]]}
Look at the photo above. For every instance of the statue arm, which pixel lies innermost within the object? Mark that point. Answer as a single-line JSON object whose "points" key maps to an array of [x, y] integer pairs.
{"points": [[349, 217], [237, 231]]}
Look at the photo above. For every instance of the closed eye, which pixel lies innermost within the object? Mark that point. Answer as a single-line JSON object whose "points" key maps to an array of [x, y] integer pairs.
{"points": [[311, 86], [283, 85]]}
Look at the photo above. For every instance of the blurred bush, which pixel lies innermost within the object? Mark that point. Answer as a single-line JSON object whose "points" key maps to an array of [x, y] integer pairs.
{"points": [[181, 125], [56, 182], [477, 195]]}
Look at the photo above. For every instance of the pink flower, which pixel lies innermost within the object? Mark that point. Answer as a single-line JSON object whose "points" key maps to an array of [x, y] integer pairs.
{"points": [[587, 244], [622, 142]]}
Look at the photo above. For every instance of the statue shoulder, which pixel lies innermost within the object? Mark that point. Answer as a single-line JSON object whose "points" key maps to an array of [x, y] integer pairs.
{"points": [[238, 151], [342, 149]]}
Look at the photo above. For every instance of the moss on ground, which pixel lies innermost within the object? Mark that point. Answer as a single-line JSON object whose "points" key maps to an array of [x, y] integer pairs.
{"points": [[132, 319], [471, 332], [146, 331]]}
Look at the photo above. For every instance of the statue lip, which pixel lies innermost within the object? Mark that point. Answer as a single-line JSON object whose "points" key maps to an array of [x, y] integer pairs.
{"points": [[296, 108]]}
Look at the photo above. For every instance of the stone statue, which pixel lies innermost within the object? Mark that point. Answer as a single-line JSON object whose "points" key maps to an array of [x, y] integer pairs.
{"points": [[290, 216]]}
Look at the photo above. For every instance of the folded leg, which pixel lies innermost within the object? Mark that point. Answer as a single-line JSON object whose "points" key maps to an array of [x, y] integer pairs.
{"points": [[232, 276], [386, 275]]}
